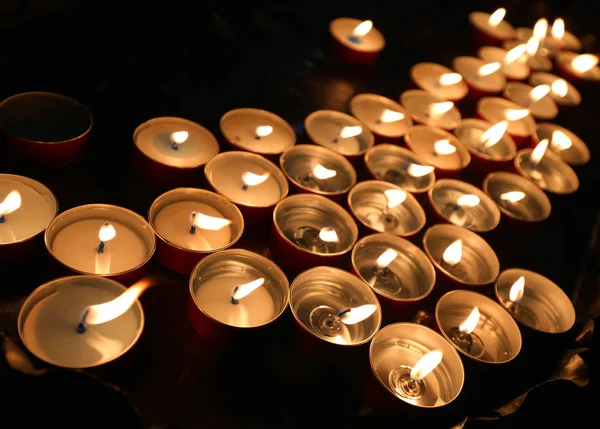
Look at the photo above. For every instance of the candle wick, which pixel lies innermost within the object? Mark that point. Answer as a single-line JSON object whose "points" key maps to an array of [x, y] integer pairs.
{"points": [[193, 229], [101, 247], [175, 147], [81, 327], [341, 313], [355, 39], [257, 137], [233, 300], [245, 187], [2, 219]]}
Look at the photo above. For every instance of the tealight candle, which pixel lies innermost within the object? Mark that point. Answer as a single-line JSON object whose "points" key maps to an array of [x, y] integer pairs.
{"points": [[561, 91], [546, 169], [191, 224], [578, 68], [534, 57], [552, 39], [478, 327], [311, 230], [81, 321], [509, 64], [517, 197], [234, 290], [521, 126], [399, 273], [464, 205], [340, 132], [440, 81], [49, 128], [401, 167], [319, 170], [26, 209], [101, 239], [355, 41], [430, 110], [491, 28], [564, 143], [438, 148], [483, 78], [257, 131], [536, 99], [383, 207], [386, 119]]}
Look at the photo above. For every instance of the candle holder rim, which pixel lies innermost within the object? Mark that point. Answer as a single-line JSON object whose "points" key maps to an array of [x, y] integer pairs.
{"points": [[47, 284], [485, 14], [567, 169], [441, 67], [577, 141], [373, 29], [570, 87], [370, 137], [461, 58], [383, 99], [547, 99], [465, 160], [506, 137], [511, 105]]}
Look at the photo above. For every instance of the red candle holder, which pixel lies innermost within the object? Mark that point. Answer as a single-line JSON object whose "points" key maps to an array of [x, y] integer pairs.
{"points": [[550, 172], [563, 142], [352, 45], [426, 109], [524, 95], [579, 73], [236, 296], [488, 32], [562, 92], [536, 62], [440, 81], [482, 78], [48, 128], [521, 126], [386, 119]]}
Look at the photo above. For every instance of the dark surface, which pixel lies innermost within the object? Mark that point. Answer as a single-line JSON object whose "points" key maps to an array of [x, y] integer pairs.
{"points": [[129, 64]]}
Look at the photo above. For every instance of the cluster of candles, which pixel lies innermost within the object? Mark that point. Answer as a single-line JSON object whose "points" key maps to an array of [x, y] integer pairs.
{"points": [[91, 319]]}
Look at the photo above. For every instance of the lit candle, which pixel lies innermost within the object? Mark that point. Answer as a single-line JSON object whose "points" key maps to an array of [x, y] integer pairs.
{"points": [[535, 99], [521, 125], [491, 28], [355, 41], [552, 38], [563, 142], [508, 60], [440, 81], [427, 109], [561, 91], [578, 67], [386, 119], [483, 78]]}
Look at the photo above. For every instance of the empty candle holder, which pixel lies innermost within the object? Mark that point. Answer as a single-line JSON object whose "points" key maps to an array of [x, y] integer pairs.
{"points": [[491, 28], [311, 230], [483, 78], [546, 170], [512, 68], [521, 125], [383, 207], [562, 92], [536, 99], [235, 295], [563, 142], [427, 109], [440, 81], [462, 204], [355, 42], [386, 119], [399, 273], [318, 170]]}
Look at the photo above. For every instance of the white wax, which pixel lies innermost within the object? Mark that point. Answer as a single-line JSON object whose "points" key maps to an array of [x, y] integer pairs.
{"points": [[323, 127], [368, 108], [468, 68], [50, 329], [515, 70], [494, 110], [76, 246], [341, 29], [214, 297], [34, 215], [502, 31], [427, 77], [173, 223], [519, 93], [417, 102]]}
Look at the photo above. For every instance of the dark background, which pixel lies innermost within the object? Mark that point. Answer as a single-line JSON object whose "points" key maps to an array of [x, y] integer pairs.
{"points": [[132, 61]]}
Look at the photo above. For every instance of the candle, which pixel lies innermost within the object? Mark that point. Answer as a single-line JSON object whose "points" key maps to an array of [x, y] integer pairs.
{"points": [[578, 67], [257, 131], [318, 170], [517, 197], [401, 167], [564, 143], [101, 239], [340, 132], [508, 59], [50, 317], [521, 125], [491, 28], [385, 118], [552, 39], [440, 81], [356, 42], [383, 207], [464, 205], [438, 148], [429, 110], [561, 91], [482, 78], [536, 99], [48, 128], [478, 327]]}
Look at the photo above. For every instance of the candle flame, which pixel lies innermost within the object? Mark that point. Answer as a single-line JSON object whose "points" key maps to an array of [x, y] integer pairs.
{"points": [[470, 322], [386, 258], [560, 87], [538, 152], [512, 196], [444, 147], [362, 29], [450, 79], [246, 289], [488, 69], [532, 46], [11, 203], [209, 223], [107, 232], [516, 114], [558, 28], [561, 141], [323, 173], [453, 253], [416, 170], [436, 109], [251, 179], [394, 197], [493, 134], [468, 200], [539, 92], [497, 17], [328, 235], [358, 314], [390, 116], [583, 63], [264, 130], [515, 53], [426, 364], [179, 137], [540, 28], [517, 290], [346, 132]]}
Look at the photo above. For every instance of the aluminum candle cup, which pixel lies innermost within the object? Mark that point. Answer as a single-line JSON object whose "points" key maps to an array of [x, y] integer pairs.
{"points": [[257, 131], [440, 81], [427, 109], [234, 295], [191, 224], [536, 62], [563, 142], [385, 118], [540, 108], [521, 126], [102, 240], [482, 82], [438, 148], [49, 318], [318, 170], [400, 167], [399, 273], [463, 205], [550, 172], [355, 42], [578, 69], [561, 91], [311, 230], [46, 127], [488, 29], [515, 70], [383, 207]]}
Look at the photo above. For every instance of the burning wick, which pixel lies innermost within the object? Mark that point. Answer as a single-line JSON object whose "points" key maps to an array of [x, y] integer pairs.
{"points": [[451, 260], [323, 173], [560, 87], [263, 131], [425, 365], [394, 197], [532, 46], [512, 197], [416, 170], [560, 140], [515, 53], [251, 179], [448, 79], [178, 137], [410, 384], [388, 116], [206, 222], [537, 153], [494, 134], [246, 289], [328, 235], [360, 31], [345, 132], [435, 110], [352, 316], [463, 336], [558, 29], [488, 69], [443, 147], [516, 114], [584, 63], [107, 232], [11, 203], [540, 29], [517, 290], [496, 17], [385, 259], [539, 92]]}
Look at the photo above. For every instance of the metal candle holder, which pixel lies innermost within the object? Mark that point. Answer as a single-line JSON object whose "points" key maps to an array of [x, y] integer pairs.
{"points": [[551, 174]]}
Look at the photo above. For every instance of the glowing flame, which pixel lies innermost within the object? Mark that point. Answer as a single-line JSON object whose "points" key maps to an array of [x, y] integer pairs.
{"points": [[251, 179], [560, 87], [390, 116], [539, 92], [488, 69], [263, 130], [386, 258], [470, 323], [560, 140], [11, 203], [538, 152], [323, 173], [107, 232], [450, 79], [179, 137], [493, 134], [426, 364], [209, 223], [346, 132], [328, 234], [533, 44], [444, 147], [540, 28], [394, 197], [362, 29], [583, 63], [516, 114], [497, 17], [358, 314], [468, 200], [512, 196], [416, 170], [436, 109], [246, 289], [515, 53], [558, 28], [517, 290], [453, 253]]}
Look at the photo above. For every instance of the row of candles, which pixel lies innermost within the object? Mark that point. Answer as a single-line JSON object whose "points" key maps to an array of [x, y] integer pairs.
{"points": [[193, 231]]}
